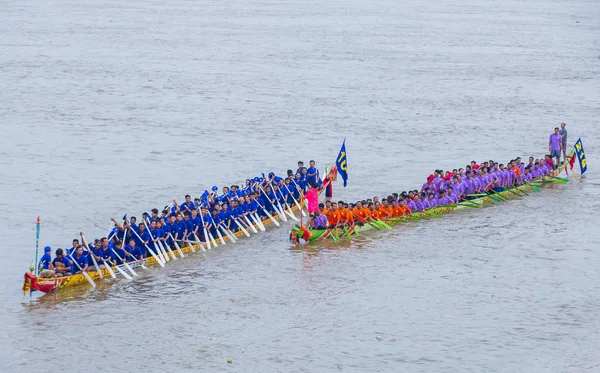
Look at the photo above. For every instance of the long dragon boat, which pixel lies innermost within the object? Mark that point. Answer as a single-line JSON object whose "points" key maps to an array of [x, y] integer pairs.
{"points": [[46, 285], [300, 234]]}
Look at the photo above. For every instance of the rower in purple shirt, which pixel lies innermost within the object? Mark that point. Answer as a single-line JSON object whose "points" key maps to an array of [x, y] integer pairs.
{"points": [[410, 203], [438, 178], [441, 198], [424, 201], [452, 195], [505, 176], [476, 183], [470, 188], [527, 175], [418, 203], [432, 200], [536, 172], [544, 167], [429, 183]]}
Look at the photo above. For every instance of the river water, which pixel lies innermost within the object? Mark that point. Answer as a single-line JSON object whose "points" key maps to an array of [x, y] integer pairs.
{"points": [[111, 107]]}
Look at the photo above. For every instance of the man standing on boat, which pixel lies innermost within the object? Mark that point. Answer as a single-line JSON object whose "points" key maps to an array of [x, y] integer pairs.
{"points": [[555, 145], [312, 174], [563, 133]]}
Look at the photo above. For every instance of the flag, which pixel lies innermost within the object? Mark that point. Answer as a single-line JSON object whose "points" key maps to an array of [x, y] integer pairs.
{"points": [[581, 156], [571, 161], [342, 163]]}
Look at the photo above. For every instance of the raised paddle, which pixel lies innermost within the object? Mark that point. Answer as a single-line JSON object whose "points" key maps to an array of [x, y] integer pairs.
{"points": [[281, 215], [257, 221], [206, 238], [157, 244], [287, 205], [122, 260], [268, 214], [240, 226], [158, 260], [96, 267], [296, 202]]}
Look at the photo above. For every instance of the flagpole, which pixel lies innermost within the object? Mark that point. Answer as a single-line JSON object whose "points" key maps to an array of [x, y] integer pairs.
{"points": [[37, 244]]}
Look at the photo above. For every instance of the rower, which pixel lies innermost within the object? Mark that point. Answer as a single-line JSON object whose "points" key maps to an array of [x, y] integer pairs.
{"points": [[47, 268], [359, 214], [321, 221], [62, 265], [451, 197], [385, 210], [153, 215], [108, 257], [214, 221], [429, 183], [80, 260], [170, 227], [145, 239], [188, 205], [96, 253], [300, 167], [225, 216], [71, 250], [132, 252], [180, 228], [189, 227], [120, 251], [424, 201], [333, 216], [345, 215]]}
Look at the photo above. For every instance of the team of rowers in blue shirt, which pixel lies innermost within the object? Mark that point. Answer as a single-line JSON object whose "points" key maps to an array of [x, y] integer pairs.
{"points": [[211, 215]]}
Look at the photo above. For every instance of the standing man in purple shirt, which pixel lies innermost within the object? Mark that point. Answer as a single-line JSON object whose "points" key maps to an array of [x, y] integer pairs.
{"points": [[555, 146]]}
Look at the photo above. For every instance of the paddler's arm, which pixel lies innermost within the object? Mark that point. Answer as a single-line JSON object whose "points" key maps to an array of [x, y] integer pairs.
{"points": [[117, 224]]}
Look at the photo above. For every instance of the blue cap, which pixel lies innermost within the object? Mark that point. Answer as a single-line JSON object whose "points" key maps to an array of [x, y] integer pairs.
{"points": [[215, 188], [47, 248]]}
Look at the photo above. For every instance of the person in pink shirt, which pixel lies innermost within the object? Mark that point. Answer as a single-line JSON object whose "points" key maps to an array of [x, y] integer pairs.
{"points": [[312, 201]]}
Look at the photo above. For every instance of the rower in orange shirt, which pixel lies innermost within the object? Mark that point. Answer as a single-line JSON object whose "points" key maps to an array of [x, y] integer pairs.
{"points": [[385, 211], [405, 208], [333, 216], [375, 210], [360, 213], [345, 215], [398, 210], [327, 208], [350, 221]]}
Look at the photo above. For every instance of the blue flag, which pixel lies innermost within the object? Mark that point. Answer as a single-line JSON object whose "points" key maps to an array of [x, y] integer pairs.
{"points": [[342, 164], [581, 156]]}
